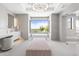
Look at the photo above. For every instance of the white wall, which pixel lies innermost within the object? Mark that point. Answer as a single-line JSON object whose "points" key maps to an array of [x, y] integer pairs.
{"points": [[3, 19], [65, 33], [62, 28], [39, 13]]}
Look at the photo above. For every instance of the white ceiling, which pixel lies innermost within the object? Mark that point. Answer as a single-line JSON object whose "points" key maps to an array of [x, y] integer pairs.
{"points": [[20, 8]]}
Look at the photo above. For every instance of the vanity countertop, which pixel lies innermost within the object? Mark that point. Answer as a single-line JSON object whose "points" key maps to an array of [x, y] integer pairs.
{"points": [[5, 36]]}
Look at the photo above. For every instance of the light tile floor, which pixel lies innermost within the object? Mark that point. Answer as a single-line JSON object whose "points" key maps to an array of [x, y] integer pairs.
{"points": [[58, 49]]}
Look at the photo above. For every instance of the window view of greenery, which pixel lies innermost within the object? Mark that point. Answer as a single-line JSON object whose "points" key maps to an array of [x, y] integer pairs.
{"points": [[39, 26]]}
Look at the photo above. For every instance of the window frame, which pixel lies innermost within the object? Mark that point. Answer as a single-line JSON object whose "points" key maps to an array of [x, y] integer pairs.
{"points": [[39, 32]]}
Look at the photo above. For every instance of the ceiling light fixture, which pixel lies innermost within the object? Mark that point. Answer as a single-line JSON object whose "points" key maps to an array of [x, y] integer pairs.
{"points": [[40, 7]]}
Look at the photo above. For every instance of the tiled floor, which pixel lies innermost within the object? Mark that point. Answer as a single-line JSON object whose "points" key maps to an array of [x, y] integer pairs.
{"points": [[58, 49]]}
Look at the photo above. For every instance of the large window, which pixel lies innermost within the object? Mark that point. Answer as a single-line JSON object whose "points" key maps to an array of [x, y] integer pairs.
{"points": [[39, 25]]}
